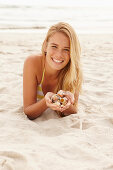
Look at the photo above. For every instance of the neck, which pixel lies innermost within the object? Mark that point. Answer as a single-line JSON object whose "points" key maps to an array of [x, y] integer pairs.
{"points": [[51, 73]]}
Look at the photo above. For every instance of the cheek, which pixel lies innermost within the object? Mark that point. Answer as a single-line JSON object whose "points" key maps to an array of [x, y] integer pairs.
{"points": [[67, 57], [66, 53], [49, 51]]}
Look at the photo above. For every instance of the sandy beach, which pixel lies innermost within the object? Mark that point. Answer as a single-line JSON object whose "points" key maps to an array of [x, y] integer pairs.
{"points": [[82, 141]]}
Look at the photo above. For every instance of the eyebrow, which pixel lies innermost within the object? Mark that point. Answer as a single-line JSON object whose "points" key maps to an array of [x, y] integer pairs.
{"points": [[57, 45]]}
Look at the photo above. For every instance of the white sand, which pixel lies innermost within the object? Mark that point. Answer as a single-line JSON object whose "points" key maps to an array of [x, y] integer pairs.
{"points": [[83, 141]]}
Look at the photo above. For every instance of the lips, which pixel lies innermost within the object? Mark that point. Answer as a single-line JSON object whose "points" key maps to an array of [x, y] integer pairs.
{"points": [[57, 61]]}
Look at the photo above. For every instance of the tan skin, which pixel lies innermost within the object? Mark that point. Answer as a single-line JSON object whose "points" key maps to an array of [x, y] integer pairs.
{"points": [[57, 57]]}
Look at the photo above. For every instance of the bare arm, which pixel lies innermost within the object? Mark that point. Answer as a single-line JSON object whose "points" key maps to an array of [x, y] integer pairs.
{"points": [[36, 109], [32, 108]]}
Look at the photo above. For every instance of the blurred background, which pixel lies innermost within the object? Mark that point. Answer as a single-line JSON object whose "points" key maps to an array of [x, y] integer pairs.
{"points": [[86, 16]]}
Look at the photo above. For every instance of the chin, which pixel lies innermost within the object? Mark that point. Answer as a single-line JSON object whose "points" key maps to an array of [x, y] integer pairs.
{"points": [[58, 68]]}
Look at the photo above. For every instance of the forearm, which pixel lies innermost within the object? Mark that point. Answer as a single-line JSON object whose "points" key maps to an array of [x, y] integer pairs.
{"points": [[36, 109]]}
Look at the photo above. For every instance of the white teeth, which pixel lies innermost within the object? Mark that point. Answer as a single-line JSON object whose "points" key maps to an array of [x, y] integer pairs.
{"points": [[57, 61]]}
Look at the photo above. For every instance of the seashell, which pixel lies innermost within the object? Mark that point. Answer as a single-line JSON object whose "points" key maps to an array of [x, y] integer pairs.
{"points": [[55, 98], [57, 103], [63, 101], [60, 93], [59, 99]]}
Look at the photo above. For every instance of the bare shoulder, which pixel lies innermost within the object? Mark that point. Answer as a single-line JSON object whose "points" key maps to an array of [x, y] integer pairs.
{"points": [[34, 59], [34, 62]]}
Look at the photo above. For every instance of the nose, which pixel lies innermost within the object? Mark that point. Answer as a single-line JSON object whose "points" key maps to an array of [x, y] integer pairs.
{"points": [[59, 54]]}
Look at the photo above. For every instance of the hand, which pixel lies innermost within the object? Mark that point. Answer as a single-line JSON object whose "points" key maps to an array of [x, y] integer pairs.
{"points": [[68, 95], [63, 108], [49, 102]]}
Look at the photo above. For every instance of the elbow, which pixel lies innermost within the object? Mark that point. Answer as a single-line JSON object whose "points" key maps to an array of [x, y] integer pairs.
{"points": [[30, 117], [30, 114], [26, 111]]}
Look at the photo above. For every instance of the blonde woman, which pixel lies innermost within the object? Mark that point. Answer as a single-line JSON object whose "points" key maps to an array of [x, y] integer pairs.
{"points": [[57, 68]]}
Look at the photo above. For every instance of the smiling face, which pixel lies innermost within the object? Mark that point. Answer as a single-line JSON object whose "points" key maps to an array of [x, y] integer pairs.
{"points": [[58, 51]]}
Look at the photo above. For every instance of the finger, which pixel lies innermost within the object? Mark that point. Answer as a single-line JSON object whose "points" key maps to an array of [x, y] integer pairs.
{"points": [[70, 94], [68, 103], [65, 108], [61, 91], [54, 107], [72, 101], [62, 109], [48, 101], [71, 98]]}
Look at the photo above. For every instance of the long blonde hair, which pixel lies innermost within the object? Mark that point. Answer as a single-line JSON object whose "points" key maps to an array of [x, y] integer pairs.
{"points": [[70, 77]]}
